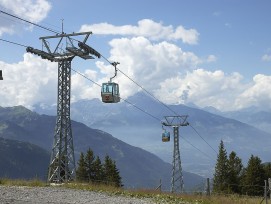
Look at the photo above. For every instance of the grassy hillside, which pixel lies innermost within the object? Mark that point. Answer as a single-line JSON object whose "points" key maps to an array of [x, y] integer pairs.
{"points": [[22, 160]]}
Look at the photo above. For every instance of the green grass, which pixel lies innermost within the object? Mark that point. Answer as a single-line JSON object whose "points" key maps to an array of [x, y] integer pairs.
{"points": [[21, 182], [156, 196]]}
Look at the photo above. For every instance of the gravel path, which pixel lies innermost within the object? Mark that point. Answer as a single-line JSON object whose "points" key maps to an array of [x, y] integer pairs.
{"points": [[60, 195]]}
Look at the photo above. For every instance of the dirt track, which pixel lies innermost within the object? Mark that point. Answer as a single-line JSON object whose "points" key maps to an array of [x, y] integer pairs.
{"points": [[60, 195]]}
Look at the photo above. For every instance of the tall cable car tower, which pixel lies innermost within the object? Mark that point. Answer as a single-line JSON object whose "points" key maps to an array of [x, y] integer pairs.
{"points": [[62, 163], [177, 176]]}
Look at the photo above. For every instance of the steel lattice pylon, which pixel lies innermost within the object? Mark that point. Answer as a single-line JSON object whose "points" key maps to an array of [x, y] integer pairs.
{"points": [[177, 183], [62, 163]]}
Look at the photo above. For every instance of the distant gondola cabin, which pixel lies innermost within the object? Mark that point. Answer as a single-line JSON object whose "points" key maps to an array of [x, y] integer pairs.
{"points": [[110, 92], [165, 136]]}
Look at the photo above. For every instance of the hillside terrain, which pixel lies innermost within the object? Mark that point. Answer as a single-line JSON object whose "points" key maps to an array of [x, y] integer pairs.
{"points": [[22, 160], [198, 142], [138, 167], [252, 116]]}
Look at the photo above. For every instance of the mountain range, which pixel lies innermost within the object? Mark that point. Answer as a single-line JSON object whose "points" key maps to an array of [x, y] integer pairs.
{"points": [[253, 116], [28, 136], [198, 142], [22, 160]]}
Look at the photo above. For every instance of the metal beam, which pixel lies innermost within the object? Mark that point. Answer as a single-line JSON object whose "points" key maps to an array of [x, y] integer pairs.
{"points": [[68, 35]]}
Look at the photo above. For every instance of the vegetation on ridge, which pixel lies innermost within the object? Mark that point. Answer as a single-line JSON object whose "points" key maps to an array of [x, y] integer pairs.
{"points": [[155, 196], [231, 177], [91, 169]]}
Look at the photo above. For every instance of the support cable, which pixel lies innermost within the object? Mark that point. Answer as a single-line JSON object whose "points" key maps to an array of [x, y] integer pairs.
{"points": [[35, 24], [205, 154], [203, 139], [14, 43]]}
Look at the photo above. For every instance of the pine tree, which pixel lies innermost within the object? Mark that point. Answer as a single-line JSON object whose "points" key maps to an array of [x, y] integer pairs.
{"points": [[111, 172], [234, 173], [267, 170], [117, 177], [253, 178], [220, 182], [98, 170], [81, 172], [89, 160]]}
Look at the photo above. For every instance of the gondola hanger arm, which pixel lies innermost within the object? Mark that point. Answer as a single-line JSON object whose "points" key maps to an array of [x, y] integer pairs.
{"points": [[115, 66]]}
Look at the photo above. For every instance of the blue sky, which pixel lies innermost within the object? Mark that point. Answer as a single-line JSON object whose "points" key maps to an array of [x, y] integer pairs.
{"points": [[210, 53]]}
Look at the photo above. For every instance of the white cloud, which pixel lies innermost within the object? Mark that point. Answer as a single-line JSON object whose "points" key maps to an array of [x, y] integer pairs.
{"points": [[146, 62], [146, 28], [211, 58], [82, 88], [257, 94], [203, 88], [266, 58], [28, 82], [32, 10], [6, 30], [162, 68]]}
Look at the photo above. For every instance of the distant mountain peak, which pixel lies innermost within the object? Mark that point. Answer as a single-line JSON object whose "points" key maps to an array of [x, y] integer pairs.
{"points": [[17, 111]]}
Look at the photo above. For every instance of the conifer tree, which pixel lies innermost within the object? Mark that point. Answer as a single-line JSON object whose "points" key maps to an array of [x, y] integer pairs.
{"points": [[98, 170], [253, 178], [111, 172], [89, 160], [267, 170], [117, 177], [90, 168], [234, 173], [220, 182], [81, 172]]}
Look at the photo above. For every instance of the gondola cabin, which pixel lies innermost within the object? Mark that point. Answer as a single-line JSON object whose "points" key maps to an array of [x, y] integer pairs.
{"points": [[165, 136], [110, 92]]}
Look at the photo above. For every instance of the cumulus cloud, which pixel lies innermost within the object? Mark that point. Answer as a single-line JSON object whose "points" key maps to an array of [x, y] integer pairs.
{"points": [[84, 89], [257, 94], [34, 81], [145, 61], [28, 82], [146, 28], [266, 58], [32, 10], [211, 58], [162, 68], [203, 88]]}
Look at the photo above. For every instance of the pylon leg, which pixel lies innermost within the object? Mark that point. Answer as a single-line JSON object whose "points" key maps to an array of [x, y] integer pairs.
{"points": [[62, 163], [177, 176]]}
